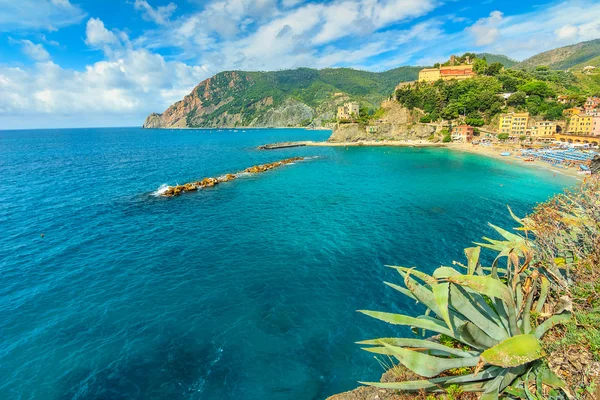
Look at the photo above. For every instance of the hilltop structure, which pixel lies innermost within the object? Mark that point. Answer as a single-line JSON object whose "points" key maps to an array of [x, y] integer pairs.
{"points": [[348, 111], [446, 73]]}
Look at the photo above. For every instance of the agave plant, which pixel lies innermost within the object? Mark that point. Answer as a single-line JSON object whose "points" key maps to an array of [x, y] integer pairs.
{"points": [[488, 311]]}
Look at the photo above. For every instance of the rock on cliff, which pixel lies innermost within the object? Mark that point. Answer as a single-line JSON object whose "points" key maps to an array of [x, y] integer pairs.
{"points": [[397, 123], [291, 113]]}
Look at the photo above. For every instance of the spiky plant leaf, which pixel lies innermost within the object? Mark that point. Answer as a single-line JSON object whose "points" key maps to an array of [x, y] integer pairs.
{"points": [[426, 365], [514, 351], [429, 324], [419, 344]]}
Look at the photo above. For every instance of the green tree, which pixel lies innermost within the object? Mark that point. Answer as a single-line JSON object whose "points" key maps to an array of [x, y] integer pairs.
{"points": [[479, 66], [494, 69], [516, 99], [503, 136], [537, 88], [475, 121]]}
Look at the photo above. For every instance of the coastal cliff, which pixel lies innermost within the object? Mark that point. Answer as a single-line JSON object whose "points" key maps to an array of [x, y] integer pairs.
{"points": [[302, 97], [396, 123]]}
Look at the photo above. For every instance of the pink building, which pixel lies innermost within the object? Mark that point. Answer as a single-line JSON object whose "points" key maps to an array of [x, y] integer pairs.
{"points": [[591, 105]]}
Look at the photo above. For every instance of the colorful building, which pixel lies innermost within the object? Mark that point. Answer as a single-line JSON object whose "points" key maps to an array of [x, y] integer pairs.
{"points": [[543, 129], [462, 133], [591, 105], [459, 72], [581, 124], [348, 111], [514, 124], [564, 99], [572, 111]]}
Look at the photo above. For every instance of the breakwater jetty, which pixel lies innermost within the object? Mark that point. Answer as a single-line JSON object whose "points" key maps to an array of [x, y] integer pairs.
{"points": [[172, 191], [284, 145]]}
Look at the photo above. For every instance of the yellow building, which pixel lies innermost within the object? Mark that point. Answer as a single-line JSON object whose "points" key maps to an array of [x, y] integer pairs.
{"points": [[458, 72], [515, 124], [429, 75], [572, 111], [348, 111], [581, 124], [544, 129]]}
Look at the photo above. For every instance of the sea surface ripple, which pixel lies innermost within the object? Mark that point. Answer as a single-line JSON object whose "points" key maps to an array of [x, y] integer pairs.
{"points": [[247, 290]]}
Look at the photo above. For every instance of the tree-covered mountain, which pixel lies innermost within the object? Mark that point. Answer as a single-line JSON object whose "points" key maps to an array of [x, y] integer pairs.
{"points": [[493, 58], [296, 97], [564, 57]]}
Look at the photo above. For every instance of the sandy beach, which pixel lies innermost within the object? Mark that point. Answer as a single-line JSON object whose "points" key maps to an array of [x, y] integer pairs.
{"points": [[488, 151], [494, 152]]}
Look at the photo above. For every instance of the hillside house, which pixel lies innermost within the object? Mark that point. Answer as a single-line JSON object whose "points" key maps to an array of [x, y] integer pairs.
{"points": [[348, 111], [462, 133]]}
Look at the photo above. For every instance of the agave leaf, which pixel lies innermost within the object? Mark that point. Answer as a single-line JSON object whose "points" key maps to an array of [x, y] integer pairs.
{"points": [[441, 294], [402, 290], [445, 272], [519, 220], [479, 313], [526, 318], [435, 383], [426, 365], [511, 237], [548, 324], [419, 344], [421, 275], [549, 378], [472, 254], [473, 335], [422, 293], [514, 351], [544, 289], [491, 287], [492, 388], [430, 324]]}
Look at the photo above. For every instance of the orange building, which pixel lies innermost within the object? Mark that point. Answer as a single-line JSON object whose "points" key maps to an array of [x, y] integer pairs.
{"points": [[462, 133]]}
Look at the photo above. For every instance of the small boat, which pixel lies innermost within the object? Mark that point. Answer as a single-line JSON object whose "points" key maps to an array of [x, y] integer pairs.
{"points": [[505, 153], [530, 159]]}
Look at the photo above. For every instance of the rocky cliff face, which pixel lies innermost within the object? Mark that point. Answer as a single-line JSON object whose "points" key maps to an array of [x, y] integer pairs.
{"points": [[397, 123], [300, 97], [203, 101]]}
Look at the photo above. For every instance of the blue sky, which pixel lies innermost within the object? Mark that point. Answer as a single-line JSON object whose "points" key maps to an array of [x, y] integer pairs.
{"points": [[67, 63]]}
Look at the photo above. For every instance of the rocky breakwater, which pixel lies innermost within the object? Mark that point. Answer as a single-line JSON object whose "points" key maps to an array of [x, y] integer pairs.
{"points": [[172, 191]]}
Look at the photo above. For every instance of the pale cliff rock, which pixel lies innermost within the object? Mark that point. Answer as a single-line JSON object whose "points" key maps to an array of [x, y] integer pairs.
{"points": [[291, 113], [397, 123]]}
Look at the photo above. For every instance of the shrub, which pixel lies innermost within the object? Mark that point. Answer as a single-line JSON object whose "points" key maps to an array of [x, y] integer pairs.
{"points": [[503, 136], [487, 311], [425, 119]]}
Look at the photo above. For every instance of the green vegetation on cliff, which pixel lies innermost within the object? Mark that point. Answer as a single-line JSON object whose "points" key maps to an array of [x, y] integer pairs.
{"points": [[249, 98], [480, 98], [564, 57]]}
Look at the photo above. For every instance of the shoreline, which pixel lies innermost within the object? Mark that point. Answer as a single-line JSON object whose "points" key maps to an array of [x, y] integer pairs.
{"points": [[492, 151]]}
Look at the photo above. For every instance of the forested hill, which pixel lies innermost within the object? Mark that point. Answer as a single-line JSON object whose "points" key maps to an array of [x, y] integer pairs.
{"points": [[296, 97], [564, 57]]}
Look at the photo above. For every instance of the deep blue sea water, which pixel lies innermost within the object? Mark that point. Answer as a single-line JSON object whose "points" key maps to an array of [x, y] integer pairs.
{"points": [[247, 290]]}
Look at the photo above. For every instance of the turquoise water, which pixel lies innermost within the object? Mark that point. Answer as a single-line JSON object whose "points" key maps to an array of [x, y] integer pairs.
{"points": [[243, 291]]}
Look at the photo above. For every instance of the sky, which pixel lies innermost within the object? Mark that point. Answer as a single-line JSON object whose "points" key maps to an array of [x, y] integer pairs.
{"points": [[88, 63]]}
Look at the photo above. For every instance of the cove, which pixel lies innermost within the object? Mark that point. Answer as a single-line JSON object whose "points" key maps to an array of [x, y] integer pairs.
{"points": [[242, 291]]}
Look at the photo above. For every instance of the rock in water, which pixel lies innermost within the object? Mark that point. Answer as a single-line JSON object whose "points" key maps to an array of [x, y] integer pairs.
{"points": [[172, 191]]}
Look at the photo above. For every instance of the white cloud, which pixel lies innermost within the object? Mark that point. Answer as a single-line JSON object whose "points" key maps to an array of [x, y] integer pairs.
{"points": [[38, 14], [132, 85], [566, 32], [159, 15], [96, 34], [485, 30], [524, 35], [35, 51]]}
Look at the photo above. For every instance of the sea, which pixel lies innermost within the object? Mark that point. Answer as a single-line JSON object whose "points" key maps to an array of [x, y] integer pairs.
{"points": [[246, 290]]}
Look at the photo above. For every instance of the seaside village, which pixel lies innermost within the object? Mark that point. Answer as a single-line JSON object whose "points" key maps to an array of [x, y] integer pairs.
{"points": [[571, 142]]}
